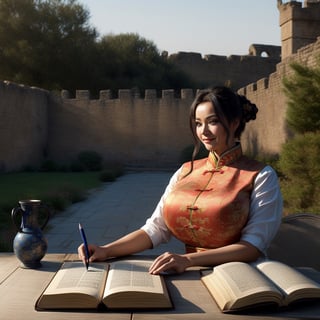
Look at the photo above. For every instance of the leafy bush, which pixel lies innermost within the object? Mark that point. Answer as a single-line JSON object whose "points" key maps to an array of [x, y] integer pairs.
{"points": [[49, 166], [112, 172], [107, 176], [300, 165], [302, 90], [90, 161], [76, 166], [61, 198]]}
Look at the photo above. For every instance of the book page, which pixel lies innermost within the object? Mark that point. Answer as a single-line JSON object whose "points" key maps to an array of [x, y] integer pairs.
{"points": [[286, 277], [74, 277], [74, 287], [236, 285], [130, 285], [132, 275], [243, 279]]}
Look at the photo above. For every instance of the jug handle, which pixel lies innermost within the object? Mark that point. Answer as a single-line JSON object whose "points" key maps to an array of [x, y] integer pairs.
{"points": [[47, 210], [14, 213]]}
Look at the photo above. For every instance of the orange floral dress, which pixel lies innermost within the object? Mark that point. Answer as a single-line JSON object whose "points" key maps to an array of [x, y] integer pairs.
{"points": [[209, 207]]}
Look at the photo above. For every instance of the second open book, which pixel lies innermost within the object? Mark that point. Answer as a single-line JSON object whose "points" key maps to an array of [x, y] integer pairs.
{"points": [[237, 285]]}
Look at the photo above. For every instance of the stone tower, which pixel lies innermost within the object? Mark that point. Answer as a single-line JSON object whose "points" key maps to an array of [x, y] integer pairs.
{"points": [[300, 25]]}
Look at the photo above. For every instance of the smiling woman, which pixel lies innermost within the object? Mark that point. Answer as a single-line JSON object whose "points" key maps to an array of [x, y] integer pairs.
{"points": [[225, 207]]}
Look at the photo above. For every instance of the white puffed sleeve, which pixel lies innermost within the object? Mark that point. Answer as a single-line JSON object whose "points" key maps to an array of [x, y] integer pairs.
{"points": [[265, 210]]}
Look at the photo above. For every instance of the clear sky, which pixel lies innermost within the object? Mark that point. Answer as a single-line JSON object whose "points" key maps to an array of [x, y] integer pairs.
{"points": [[221, 27]]}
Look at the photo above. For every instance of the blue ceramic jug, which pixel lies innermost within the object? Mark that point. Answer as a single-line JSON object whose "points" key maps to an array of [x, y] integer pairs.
{"points": [[29, 244]]}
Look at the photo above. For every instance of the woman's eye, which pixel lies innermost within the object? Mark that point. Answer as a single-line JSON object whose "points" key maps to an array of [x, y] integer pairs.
{"points": [[213, 121], [198, 124]]}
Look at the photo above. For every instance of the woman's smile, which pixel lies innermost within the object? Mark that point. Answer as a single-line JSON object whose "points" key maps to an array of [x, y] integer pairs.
{"points": [[207, 140]]}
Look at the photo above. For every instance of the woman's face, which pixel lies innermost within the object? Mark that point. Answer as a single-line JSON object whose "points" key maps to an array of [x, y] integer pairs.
{"points": [[210, 130]]}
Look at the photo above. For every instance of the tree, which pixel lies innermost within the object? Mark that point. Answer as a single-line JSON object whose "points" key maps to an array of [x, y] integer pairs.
{"points": [[50, 44], [299, 160], [300, 165], [132, 61], [303, 92], [41, 41]]}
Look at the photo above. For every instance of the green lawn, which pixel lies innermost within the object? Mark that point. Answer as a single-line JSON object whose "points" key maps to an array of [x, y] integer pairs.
{"points": [[56, 189]]}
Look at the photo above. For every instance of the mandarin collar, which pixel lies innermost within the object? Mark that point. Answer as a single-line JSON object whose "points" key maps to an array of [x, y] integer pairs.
{"points": [[226, 157]]}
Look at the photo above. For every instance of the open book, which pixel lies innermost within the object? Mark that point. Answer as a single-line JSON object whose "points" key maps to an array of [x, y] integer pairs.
{"points": [[119, 284], [237, 285]]}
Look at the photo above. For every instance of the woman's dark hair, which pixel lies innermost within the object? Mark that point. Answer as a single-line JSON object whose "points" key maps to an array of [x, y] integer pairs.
{"points": [[229, 106]]}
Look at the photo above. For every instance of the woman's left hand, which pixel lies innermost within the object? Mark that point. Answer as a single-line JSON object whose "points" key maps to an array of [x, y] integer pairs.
{"points": [[170, 262]]}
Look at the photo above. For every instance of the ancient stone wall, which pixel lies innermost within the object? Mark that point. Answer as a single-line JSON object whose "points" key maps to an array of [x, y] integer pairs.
{"points": [[153, 131], [268, 132], [24, 126], [235, 70], [144, 131]]}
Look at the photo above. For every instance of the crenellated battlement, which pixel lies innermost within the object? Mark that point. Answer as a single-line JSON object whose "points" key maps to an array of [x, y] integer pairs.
{"points": [[308, 11], [300, 24], [306, 55], [128, 95], [254, 52], [237, 70]]}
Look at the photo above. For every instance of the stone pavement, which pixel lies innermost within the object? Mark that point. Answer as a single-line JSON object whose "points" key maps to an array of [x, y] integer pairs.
{"points": [[109, 212]]}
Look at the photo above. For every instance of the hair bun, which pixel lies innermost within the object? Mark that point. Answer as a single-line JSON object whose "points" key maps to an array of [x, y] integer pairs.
{"points": [[249, 109]]}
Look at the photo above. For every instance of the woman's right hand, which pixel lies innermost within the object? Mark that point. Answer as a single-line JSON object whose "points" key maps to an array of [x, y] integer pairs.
{"points": [[133, 242], [97, 253]]}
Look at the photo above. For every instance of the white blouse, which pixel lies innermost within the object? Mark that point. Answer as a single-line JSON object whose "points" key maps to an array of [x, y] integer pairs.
{"points": [[264, 217]]}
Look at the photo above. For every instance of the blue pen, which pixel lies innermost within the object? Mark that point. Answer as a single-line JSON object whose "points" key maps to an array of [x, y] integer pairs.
{"points": [[85, 243]]}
